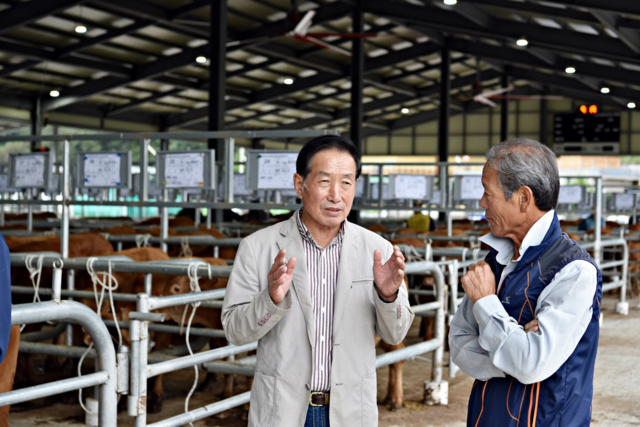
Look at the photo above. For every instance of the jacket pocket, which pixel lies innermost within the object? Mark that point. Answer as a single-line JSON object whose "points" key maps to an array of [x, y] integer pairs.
{"points": [[364, 281], [263, 400], [368, 400]]}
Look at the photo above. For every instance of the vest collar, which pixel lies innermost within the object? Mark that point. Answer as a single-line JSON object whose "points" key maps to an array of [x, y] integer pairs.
{"points": [[539, 237]]}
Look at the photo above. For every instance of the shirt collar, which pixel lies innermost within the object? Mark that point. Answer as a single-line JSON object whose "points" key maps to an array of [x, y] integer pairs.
{"points": [[504, 246], [306, 235]]}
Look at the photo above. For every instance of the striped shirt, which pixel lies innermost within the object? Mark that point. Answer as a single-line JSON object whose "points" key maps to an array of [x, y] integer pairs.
{"points": [[322, 265]]}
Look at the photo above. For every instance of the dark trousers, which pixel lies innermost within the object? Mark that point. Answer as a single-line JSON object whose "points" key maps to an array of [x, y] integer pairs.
{"points": [[317, 416]]}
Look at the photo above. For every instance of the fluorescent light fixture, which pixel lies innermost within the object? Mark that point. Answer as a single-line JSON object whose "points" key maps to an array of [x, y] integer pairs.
{"points": [[152, 150], [605, 90], [631, 105], [81, 29], [54, 94], [288, 81], [450, 2], [522, 41], [570, 70], [201, 59], [404, 111]]}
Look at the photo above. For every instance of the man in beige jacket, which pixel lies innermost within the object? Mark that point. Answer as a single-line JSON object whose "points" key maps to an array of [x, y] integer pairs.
{"points": [[315, 315]]}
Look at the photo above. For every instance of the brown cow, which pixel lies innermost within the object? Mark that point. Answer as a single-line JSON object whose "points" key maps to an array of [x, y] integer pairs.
{"points": [[8, 371]]}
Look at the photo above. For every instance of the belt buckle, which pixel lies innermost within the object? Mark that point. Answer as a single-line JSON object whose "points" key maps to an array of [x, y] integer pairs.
{"points": [[320, 393]]}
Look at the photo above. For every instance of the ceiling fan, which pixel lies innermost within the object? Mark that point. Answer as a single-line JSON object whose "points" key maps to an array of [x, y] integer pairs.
{"points": [[301, 33], [487, 97]]}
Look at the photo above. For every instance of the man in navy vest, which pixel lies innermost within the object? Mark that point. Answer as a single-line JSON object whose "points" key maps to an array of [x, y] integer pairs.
{"points": [[527, 329]]}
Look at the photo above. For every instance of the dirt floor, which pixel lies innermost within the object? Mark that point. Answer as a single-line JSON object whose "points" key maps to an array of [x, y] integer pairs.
{"points": [[616, 397]]}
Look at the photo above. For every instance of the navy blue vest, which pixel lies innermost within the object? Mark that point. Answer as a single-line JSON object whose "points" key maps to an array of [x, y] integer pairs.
{"points": [[564, 399]]}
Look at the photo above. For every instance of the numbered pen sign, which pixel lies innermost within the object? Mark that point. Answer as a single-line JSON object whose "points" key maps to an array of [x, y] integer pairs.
{"points": [[411, 186], [33, 170], [186, 169], [624, 201], [570, 195], [104, 170], [271, 169], [469, 188], [276, 170]]}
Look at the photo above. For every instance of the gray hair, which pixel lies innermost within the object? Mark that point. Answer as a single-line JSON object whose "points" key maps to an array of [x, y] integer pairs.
{"points": [[525, 162]]}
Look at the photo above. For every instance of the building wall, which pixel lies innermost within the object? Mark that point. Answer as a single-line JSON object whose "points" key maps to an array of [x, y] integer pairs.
{"points": [[473, 133]]}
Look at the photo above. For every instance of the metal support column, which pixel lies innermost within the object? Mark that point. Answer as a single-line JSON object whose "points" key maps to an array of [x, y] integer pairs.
{"points": [[217, 77], [598, 222], [36, 121], [504, 111], [144, 172], [357, 76], [544, 112], [443, 120], [229, 144]]}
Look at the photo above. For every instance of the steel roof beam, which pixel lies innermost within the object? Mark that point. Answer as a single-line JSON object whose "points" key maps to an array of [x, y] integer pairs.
{"points": [[537, 9], [617, 6], [505, 30], [522, 57], [628, 36], [24, 13]]}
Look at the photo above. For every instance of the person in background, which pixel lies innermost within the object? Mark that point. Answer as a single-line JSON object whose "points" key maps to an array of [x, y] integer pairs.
{"points": [[421, 222]]}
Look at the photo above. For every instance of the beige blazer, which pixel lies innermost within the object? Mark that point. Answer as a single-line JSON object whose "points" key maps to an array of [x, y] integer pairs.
{"points": [[280, 393]]}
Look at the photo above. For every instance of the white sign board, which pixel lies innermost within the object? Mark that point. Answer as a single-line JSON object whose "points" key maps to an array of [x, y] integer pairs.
{"points": [[374, 191], [570, 195], [184, 170], [471, 188], [624, 201], [240, 185], [360, 187], [30, 171], [410, 187], [276, 170], [102, 170], [437, 197]]}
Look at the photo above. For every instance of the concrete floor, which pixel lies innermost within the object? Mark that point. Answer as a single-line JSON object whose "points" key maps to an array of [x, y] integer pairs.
{"points": [[616, 397]]}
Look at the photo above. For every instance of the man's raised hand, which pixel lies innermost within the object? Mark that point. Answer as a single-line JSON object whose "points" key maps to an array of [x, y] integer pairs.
{"points": [[280, 277], [388, 276]]}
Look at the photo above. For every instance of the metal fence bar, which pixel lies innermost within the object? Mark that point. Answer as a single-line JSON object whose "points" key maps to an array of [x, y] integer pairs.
{"points": [[205, 411], [67, 310], [53, 388], [197, 359]]}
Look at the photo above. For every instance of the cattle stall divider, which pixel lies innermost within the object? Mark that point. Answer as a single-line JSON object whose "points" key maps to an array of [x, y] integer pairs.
{"points": [[436, 390], [106, 375]]}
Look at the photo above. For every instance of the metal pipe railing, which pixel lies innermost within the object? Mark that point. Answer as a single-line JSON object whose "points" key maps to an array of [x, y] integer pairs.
{"points": [[68, 310]]}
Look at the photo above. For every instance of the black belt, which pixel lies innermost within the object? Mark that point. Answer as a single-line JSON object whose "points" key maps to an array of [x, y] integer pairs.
{"points": [[319, 398]]}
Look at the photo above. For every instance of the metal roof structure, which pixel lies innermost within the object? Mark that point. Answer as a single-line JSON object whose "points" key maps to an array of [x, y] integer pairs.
{"points": [[136, 62]]}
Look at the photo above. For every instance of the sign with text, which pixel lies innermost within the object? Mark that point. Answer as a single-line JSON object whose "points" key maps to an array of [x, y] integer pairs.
{"points": [[276, 170], [624, 201], [31, 170], [570, 195], [102, 170], [186, 169], [469, 187]]}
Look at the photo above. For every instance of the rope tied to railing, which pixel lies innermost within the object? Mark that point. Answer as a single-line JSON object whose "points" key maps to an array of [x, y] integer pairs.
{"points": [[185, 250], [109, 283], [142, 240], [194, 286], [35, 273]]}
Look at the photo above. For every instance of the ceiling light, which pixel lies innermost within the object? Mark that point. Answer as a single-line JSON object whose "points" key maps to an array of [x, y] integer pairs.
{"points": [[54, 93], [605, 90], [201, 59], [404, 111], [288, 81], [522, 41], [570, 70], [450, 2], [631, 105], [81, 29]]}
